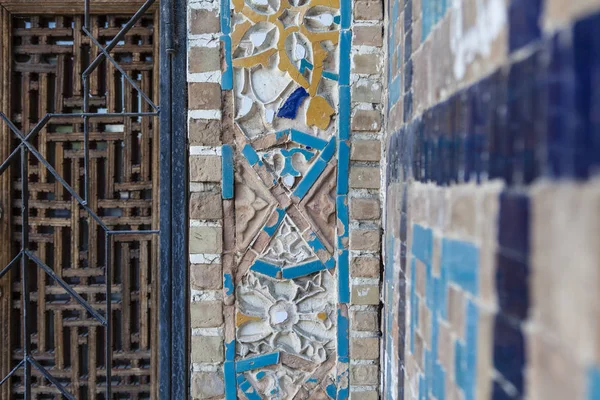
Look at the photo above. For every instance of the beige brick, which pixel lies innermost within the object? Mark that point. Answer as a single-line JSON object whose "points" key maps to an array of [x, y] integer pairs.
{"points": [[205, 169], [368, 35], [420, 278], [204, 96], [361, 208], [207, 349], [366, 395], [206, 314], [205, 132], [456, 311], [365, 321], [365, 239], [367, 120], [367, 91], [206, 276], [364, 375], [364, 348], [207, 385], [204, 21], [366, 150], [364, 177], [367, 63], [206, 206], [365, 294], [368, 10], [365, 267], [204, 59], [205, 239]]}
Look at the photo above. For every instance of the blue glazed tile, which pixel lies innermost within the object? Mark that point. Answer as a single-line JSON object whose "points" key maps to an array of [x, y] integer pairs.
{"points": [[225, 13], [343, 220], [227, 171], [593, 384], [343, 277], [270, 230], [308, 140], [346, 13], [524, 16], [345, 46], [513, 223], [344, 113], [228, 284], [251, 155], [260, 361], [230, 351], [289, 109], [461, 259], [331, 391], [422, 244], [509, 351], [298, 271], [329, 150], [343, 346], [408, 75], [343, 167], [331, 75], [512, 286], [230, 380], [310, 178], [227, 75], [266, 268]]}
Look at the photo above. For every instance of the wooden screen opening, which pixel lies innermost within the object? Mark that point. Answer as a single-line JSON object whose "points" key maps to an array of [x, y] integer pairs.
{"points": [[43, 56]]}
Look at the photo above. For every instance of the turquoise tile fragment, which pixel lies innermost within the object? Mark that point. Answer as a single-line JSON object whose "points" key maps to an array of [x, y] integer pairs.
{"points": [[343, 167], [593, 383], [310, 178], [308, 140], [230, 380], [265, 268], [260, 361], [343, 346], [329, 150], [227, 171], [228, 284], [270, 230], [297, 271], [344, 113], [227, 74], [251, 155], [345, 46]]}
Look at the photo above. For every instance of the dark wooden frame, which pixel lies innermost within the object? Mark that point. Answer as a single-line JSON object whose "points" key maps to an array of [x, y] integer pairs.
{"points": [[173, 371]]}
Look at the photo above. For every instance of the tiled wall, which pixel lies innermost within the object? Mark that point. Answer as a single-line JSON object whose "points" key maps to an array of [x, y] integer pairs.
{"points": [[492, 196], [285, 132]]}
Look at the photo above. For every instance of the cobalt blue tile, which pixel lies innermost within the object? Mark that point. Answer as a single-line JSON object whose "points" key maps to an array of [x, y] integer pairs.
{"points": [[509, 351], [408, 45], [512, 286], [408, 106], [408, 75], [498, 393], [513, 223], [289, 109], [524, 16]]}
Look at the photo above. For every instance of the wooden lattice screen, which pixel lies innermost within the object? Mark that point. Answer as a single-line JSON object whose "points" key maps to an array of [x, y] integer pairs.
{"points": [[47, 54]]}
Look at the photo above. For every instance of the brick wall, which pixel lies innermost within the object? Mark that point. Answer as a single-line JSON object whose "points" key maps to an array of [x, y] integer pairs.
{"points": [[491, 196]]}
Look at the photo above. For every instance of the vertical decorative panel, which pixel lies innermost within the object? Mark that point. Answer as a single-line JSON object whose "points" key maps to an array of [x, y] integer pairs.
{"points": [[287, 64]]}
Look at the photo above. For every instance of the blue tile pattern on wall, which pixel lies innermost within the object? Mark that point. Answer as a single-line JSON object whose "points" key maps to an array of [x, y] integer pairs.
{"points": [[520, 123], [459, 265]]}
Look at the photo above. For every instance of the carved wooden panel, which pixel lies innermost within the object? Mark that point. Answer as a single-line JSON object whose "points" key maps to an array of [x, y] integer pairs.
{"points": [[116, 174]]}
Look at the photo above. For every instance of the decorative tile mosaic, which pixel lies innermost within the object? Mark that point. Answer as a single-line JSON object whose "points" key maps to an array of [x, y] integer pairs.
{"points": [[287, 62]]}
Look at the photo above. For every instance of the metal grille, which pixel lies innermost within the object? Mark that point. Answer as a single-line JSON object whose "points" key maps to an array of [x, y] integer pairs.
{"points": [[83, 170]]}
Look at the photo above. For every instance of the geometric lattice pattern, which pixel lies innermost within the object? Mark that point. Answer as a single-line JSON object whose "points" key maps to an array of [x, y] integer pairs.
{"points": [[83, 169]]}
